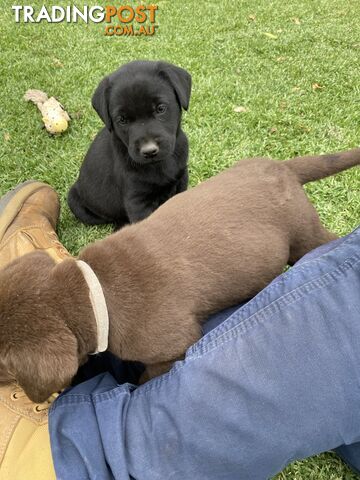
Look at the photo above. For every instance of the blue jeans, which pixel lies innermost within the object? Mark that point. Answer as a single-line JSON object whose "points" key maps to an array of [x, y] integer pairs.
{"points": [[276, 380]]}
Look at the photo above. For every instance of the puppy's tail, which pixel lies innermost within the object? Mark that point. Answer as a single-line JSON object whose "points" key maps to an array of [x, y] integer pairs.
{"points": [[310, 168]]}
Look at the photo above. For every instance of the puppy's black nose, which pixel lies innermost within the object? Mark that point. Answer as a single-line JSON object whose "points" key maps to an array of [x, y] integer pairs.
{"points": [[149, 150]]}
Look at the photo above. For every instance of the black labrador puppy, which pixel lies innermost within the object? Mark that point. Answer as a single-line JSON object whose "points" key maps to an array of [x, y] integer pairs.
{"points": [[139, 160]]}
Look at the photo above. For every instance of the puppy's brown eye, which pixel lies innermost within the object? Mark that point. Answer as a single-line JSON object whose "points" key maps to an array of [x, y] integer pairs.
{"points": [[122, 120], [161, 108]]}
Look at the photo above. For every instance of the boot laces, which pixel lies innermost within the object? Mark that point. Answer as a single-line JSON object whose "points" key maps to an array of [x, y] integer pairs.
{"points": [[18, 394], [57, 243]]}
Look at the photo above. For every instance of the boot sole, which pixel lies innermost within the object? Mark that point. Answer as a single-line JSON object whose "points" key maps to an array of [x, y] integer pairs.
{"points": [[12, 202]]}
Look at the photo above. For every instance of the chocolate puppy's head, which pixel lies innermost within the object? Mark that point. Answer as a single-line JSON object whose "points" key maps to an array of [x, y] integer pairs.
{"points": [[39, 346], [141, 104]]}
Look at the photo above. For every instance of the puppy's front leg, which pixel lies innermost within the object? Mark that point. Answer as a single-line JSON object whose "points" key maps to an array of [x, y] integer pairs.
{"points": [[137, 209], [182, 184]]}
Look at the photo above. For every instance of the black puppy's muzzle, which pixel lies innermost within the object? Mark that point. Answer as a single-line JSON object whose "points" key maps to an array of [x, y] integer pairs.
{"points": [[148, 146], [149, 150]]}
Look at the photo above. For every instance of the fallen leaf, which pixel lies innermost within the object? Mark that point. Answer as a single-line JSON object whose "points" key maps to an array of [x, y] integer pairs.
{"points": [[316, 86], [270, 35], [296, 20], [273, 130], [6, 136], [252, 18], [240, 109]]}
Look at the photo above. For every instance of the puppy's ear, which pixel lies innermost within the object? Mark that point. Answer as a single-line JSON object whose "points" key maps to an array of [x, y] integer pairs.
{"points": [[180, 80], [100, 102], [43, 366]]}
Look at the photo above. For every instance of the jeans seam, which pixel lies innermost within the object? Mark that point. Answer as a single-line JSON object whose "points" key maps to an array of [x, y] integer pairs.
{"points": [[64, 402], [110, 394], [76, 399], [269, 310]]}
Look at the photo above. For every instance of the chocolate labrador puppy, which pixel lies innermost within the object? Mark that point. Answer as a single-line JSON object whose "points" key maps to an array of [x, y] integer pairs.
{"points": [[139, 159], [205, 249]]}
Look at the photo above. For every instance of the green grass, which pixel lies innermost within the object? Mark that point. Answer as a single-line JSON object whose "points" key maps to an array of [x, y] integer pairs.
{"points": [[234, 62]]}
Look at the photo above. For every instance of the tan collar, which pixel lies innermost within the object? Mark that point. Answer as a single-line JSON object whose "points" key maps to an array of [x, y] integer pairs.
{"points": [[98, 304]]}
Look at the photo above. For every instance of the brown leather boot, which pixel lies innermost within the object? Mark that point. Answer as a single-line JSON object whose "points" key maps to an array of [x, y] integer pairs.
{"points": [[25, 451], [28, 218]]}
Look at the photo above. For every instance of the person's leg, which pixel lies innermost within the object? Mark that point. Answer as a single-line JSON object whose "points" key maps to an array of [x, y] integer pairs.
{"points": [[277, 381], [348, 453]]}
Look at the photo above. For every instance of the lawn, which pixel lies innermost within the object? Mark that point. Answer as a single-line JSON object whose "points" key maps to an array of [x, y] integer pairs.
{"points": [[292, 67]]}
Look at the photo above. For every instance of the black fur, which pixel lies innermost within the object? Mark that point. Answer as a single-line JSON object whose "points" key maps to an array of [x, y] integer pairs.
{"points": [[139, 159]]}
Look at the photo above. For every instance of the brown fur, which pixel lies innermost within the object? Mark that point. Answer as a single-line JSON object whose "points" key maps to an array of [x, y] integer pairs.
{"points": [[204, 250]]}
